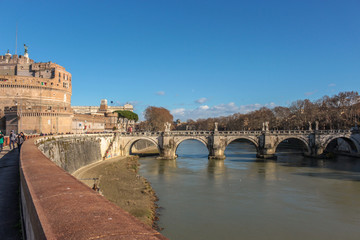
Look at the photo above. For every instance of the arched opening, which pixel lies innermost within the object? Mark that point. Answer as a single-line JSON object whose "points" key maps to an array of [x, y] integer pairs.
{"points": [[192, 148], [292, 146], [241, 149], [143, 148], [291, 150], [341, 145]]}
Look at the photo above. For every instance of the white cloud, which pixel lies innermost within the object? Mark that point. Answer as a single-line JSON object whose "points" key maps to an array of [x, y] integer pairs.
{"points": [[205, 111], [201, 100], [178, 111], [160, 93], [332, 85], [204, 107]]}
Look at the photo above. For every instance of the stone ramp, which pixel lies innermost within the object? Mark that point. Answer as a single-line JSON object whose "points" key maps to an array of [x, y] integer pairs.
{"points": [[10, 223]]}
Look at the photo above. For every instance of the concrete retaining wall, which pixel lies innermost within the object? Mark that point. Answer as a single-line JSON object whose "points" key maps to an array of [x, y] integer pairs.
{"points": [[57, 206]]}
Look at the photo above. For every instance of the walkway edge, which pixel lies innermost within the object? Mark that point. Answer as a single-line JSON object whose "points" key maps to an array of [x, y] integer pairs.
{"points": [[57, 206]]}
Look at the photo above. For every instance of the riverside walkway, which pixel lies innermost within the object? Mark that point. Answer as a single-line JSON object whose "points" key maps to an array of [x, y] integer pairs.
{"points": [[10, 221]]}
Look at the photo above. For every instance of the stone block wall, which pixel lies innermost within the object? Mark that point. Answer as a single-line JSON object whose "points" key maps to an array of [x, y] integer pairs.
{"points": [[71, 152]]}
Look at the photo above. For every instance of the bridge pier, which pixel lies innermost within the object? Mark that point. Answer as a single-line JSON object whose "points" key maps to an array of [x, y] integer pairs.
{"points": [[217, 154], [266, 154], [167, 148], [167, 154], [267, 147], [216, 147]]}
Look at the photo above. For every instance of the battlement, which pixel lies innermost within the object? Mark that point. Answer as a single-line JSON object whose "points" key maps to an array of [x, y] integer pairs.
{"points": [[15, 59], [14, 65]]}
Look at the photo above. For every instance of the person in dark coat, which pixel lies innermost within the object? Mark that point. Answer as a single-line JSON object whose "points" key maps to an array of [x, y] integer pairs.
{"points": [[12, 139], [20, 140]]}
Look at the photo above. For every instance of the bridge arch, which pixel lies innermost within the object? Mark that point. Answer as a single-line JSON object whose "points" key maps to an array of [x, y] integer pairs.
{"points": [[348, 139], [301, 139], [200, 139], [252, 140], [130, 143]]}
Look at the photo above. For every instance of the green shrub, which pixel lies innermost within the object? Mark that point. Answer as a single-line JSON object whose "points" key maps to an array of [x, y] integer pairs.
{"points": [[128, 114]]}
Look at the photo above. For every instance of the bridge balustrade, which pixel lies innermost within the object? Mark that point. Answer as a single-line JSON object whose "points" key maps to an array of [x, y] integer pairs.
{"points": [[333, 131], [291, 132], [232, 133], [216, 141]]}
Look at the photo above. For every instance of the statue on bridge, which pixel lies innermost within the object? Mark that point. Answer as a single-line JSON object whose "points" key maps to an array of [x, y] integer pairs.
{"points": [[167, 126], [266, 126], [310, 128], [216, 127]]}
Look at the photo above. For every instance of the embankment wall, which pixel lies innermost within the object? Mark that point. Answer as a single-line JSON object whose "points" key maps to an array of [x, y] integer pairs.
{"points": [[71, 152], [55, 205]]}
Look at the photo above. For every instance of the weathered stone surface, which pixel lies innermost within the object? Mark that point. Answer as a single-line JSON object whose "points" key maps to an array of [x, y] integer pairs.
{"points": [[72, 152], [57, 206], [216, 142]]}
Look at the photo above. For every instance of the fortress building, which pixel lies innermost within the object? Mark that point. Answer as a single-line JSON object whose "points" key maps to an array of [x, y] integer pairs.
{"points": [[34, 97]]}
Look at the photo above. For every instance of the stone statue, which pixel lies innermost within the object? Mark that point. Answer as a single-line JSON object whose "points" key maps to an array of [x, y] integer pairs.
{"points": [[310, 128], [26, 48], [263, 127], [266, 126], [167, 126], [317, 125], [216, 127]]}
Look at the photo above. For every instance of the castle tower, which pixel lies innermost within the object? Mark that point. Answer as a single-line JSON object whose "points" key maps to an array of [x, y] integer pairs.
{"points": [[35, 97], [103, 105]]}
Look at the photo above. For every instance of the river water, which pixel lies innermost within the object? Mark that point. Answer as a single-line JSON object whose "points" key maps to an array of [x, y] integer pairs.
{"points": [[243, 198]]}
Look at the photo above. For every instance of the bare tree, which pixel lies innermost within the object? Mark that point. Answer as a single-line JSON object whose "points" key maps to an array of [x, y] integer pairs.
{"points": [[156, 117]]}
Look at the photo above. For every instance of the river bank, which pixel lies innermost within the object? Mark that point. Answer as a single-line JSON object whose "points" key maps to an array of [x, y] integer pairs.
{"points": [[119, 182], [142, 150]]}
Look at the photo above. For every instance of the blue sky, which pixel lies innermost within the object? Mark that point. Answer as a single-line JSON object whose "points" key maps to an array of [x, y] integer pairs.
{"points": [[195, 58]]}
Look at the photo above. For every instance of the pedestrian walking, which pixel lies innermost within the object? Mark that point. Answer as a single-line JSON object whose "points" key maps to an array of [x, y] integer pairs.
{"points": [[12, 139], [20, 140], [1, 141]]}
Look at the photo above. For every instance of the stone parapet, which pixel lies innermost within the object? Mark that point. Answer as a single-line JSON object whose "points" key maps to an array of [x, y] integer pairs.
{"points": [[57, 206]]}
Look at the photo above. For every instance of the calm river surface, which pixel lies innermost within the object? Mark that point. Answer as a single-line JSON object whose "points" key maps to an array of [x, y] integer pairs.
{"points": [[241, 198]]}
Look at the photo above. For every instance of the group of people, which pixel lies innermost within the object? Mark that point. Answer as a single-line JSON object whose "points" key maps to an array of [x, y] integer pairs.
{"points": [[18, 139]]}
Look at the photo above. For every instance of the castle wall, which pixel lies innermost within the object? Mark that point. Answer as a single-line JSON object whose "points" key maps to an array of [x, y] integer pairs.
{"points": [[33, 91], [31, 123], [34, 97]]}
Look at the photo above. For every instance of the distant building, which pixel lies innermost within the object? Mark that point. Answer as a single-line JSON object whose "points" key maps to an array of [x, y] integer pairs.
{"points": [[103, 108], [99, 118]]}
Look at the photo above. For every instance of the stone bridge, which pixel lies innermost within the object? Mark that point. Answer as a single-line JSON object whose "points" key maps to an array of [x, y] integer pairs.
{"points": [[314, 141]]}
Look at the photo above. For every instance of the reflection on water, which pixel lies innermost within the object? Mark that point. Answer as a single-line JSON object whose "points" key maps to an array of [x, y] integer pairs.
{"points": [[244, 198]]}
